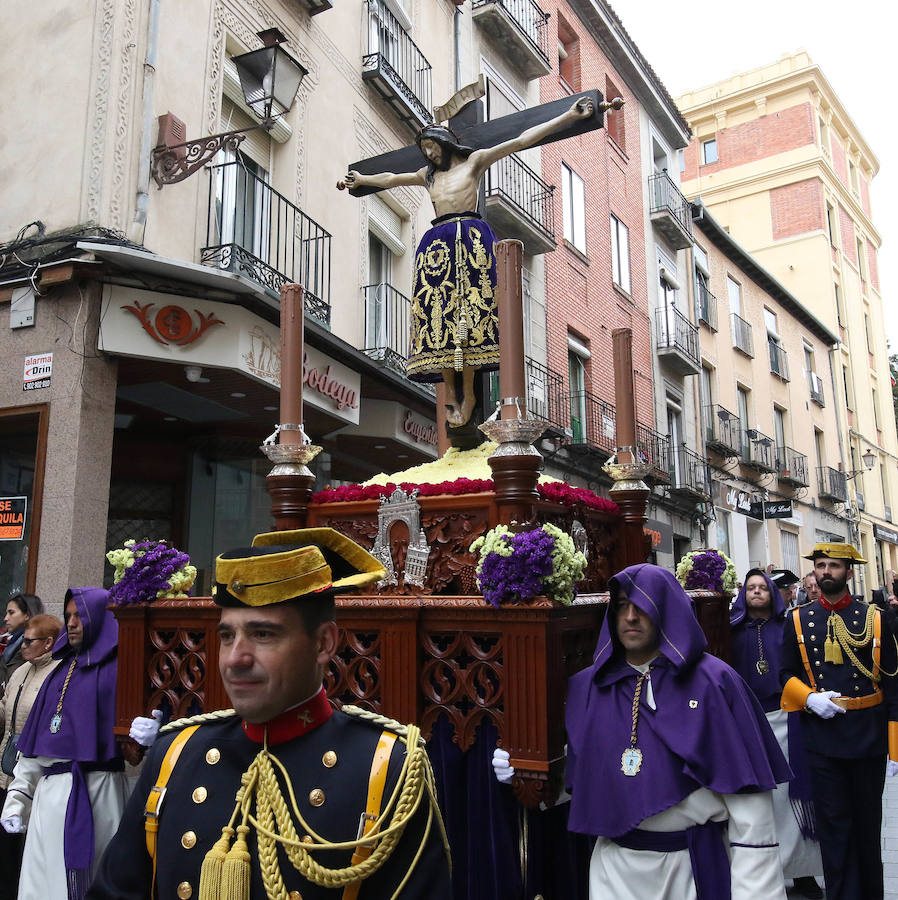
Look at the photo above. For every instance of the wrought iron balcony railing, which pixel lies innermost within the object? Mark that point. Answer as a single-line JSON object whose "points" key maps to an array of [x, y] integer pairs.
{"points": [[655, 449], [530, 27], [671, 212], [386, 325], [396, 67], [723, 433], [519, 205], [676, 333], [545, 395], [816, 388], [832, 484], [689, 473], [593, 421], [742, 339], [779, 359], [256, 232], [758, 450], [706, 306], [792, 466]]}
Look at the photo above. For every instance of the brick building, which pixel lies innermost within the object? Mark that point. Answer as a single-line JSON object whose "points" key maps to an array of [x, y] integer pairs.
{"points": [[779, 162]]}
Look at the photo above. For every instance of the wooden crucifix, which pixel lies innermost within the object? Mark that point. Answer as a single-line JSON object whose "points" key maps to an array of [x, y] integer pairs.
{"points": [[453, 321]]}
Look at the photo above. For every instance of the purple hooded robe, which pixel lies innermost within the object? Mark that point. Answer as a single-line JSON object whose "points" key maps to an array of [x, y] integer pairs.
{"points": [[708, 729], [86, 733], [767, 687]]}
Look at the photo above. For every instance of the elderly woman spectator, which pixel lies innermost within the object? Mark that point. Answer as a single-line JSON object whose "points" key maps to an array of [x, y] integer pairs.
{"points": [[37, 641], [19, 609]]}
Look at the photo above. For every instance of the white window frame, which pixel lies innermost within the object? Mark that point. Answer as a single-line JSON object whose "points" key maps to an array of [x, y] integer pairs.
{"points": [[620, 253], [573, 202], [706, 146]]}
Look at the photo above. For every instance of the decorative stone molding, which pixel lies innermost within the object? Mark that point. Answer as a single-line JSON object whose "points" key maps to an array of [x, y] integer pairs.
{"points": [[124, 119], [103, 33]]}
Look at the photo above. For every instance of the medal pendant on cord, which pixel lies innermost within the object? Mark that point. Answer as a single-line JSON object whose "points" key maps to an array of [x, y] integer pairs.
{"points": [[631, 761], [55, 724], [762, 667]]}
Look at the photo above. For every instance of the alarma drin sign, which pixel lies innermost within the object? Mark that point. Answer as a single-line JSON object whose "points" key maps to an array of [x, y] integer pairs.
{"points": [[38, 368]]}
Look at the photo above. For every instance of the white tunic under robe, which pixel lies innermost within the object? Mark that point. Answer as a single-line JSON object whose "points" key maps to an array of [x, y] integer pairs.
{"points": [[618, 873], [41, 803]]}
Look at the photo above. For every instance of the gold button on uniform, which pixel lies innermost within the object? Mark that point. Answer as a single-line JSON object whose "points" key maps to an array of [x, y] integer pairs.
{"points": [[307, 839], [199, 795], [188, 839], [316, 797], [329, 759], [213, 756], [185, 891], [294, 895]]}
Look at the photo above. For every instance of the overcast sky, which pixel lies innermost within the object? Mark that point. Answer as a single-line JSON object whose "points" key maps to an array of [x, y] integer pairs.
{"points": [[693, 44]]}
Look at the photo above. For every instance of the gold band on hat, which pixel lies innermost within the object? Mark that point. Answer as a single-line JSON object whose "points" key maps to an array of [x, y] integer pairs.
{"points": [[833, 550]]}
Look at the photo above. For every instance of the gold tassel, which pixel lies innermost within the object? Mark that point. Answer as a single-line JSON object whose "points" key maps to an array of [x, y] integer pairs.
{"points": [[236, 871], [837, 653], [828, 650], [210, 873]]}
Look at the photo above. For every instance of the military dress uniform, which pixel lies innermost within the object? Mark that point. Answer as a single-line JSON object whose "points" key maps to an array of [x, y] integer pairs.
{"points": [[846, 753], [330, 762]]}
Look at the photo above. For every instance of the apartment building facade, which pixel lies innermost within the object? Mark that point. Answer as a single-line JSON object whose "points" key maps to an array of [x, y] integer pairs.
{"points": [[777, 159], [765, 397]]}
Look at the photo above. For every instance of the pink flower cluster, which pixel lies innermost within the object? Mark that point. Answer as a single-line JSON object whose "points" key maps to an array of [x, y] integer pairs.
{"points": [[553, 491]]}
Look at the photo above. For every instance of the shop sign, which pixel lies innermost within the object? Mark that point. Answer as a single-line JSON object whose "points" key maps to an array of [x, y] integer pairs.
{"points": [[661, 534], [12, 518], [421, 430], [882, 533], [736, 500], [38, 369], [771, 509], [172, 324]]}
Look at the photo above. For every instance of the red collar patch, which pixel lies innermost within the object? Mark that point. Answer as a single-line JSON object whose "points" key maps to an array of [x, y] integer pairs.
{"points": [[293, 723], [838, 605]]}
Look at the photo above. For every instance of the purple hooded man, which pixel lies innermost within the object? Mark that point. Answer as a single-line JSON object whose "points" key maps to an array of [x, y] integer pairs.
{"points": [[670, 759], [757, 619], [69, 786]]}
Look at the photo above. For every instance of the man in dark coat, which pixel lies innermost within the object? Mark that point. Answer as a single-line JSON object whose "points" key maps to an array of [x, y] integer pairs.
{"points": [[838, 668], [284, 796]]}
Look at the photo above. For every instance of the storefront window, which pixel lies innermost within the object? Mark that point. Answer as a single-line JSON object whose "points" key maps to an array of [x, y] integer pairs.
{"points": [[22, 449]]}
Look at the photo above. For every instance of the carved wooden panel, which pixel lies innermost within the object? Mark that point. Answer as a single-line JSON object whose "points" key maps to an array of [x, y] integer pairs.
{"points": [[354, 674], [176, 669]]}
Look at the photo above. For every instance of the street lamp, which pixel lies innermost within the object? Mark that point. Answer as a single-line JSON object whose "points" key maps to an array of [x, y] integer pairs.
{"points": [[269, 78], [869, 460]]}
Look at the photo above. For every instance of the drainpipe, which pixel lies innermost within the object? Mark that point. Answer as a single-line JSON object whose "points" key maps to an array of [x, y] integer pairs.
{"points": [[456, 45], [139, 224]]}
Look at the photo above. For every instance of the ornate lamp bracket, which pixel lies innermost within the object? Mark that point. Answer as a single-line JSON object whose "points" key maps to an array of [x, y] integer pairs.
{"points": [[171, 164]]}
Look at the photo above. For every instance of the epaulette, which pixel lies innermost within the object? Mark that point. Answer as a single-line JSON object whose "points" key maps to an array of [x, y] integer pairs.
{"points": [[372, 718], [800, 605], [217, 715]]}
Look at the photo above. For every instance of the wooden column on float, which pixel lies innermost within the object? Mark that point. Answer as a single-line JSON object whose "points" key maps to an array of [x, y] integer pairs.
{"points": [[290, 492], [515, 476], [632, 502]]}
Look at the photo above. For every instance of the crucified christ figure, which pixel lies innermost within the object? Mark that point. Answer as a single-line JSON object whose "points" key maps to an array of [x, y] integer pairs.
{"points": [[454, 324]]}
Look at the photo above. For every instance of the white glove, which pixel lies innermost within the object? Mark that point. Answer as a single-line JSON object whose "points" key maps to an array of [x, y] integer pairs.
{"points": [[891, 768], [144, 730], [821, 703], [13, 825], [502, 769]]}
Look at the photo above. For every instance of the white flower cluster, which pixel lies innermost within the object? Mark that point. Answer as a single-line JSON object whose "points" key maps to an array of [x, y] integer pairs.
{"points": [[568, 566]]}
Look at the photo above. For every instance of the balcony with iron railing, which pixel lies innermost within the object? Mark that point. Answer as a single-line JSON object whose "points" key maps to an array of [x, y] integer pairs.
{"points": [[593, 422], [677, 340], [706, 306], [792, 467], [520, 28], [386, 325], [758, 451], [671, 212], [742, 339], [316, 6], [546, 397], [815, 385], [519, 205], [396, 68], [779, 359], [723, 433], [689, 475], [257, 233], [832, 484], [655, 450]]}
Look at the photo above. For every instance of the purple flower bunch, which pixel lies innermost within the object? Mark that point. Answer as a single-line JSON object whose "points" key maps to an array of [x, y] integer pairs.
{"points": [[151, 573], [518, 576], [706, 573]]}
